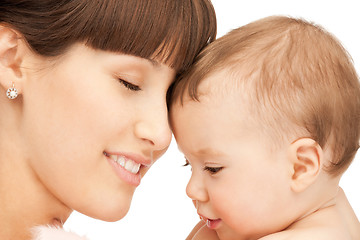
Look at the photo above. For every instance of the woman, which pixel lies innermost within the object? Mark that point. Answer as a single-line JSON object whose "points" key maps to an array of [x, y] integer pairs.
{"points": [[84, 102]]}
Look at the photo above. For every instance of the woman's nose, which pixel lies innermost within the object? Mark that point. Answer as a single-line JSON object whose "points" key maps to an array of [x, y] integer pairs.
{"points": [[153, 127]]}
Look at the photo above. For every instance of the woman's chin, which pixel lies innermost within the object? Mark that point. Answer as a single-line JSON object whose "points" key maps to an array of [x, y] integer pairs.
{"points": [[110, 216], [109, 212]]}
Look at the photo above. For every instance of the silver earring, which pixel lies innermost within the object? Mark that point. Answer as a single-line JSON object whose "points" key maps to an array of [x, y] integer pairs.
{"points": [[12, 92]]}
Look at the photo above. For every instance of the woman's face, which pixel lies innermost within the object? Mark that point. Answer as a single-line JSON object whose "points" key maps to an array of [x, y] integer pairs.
{"points": [[93, 124]]}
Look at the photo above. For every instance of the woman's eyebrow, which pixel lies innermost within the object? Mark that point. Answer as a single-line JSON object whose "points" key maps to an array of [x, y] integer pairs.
{"points": [[153, 62]]}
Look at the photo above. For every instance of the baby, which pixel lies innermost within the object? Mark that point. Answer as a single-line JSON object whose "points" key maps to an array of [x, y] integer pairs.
{"points": [[268, 119]]}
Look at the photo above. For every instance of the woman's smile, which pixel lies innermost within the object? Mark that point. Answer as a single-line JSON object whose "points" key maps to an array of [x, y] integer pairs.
{"points": [[127, 166]]}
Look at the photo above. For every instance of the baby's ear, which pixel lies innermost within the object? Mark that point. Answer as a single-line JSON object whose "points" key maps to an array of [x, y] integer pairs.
{"points": [[306, 158], [11, 56]]}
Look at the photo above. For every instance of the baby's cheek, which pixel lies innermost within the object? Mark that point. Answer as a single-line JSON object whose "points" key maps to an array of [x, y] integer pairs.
{"points": [[239, 216]]}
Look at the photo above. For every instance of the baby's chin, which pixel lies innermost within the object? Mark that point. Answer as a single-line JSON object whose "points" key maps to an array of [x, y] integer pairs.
{"points": [[232, 235], [227, 235]]}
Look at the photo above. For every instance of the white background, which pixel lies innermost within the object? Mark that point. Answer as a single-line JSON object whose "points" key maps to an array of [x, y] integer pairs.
{"points": [[160, 208]]}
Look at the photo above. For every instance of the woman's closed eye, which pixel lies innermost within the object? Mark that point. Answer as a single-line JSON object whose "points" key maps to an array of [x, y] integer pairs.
{"points": [[129, 86]]}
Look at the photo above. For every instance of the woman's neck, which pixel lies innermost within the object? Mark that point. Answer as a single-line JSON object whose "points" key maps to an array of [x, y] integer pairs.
{"points": [[24, 200]]}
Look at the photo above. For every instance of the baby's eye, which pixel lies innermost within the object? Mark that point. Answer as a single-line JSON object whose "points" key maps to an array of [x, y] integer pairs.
{"points": [[129, 86], [213, 170], [186, 163]]}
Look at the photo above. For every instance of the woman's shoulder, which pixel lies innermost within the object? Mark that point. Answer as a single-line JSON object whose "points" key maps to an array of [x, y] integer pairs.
{"points": [[53, 233]]}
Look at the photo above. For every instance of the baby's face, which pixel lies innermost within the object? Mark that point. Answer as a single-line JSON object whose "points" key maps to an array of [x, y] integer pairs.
{"points": [[239, 185]]}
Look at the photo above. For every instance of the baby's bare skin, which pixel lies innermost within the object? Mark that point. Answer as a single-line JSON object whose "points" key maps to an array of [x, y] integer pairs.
{"points": [[348, 215], [341, 223]]}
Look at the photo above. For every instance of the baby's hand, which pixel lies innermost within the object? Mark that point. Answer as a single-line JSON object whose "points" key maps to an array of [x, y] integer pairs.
{"points": [[202, 232]]}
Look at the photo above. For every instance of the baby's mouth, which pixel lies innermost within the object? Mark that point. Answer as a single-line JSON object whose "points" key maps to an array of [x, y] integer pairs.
{"points": [[213, 223]]}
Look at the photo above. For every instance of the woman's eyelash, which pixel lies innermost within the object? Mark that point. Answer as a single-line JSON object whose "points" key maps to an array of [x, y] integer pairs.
{"points": [[213, 170], [129, 86]]}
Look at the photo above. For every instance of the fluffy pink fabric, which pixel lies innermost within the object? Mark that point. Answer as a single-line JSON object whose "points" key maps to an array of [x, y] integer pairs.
{"points": [[51, 233]]}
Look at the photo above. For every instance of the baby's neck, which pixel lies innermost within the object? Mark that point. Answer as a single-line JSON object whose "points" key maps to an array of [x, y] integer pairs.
{"points": [[334, 214], [348, 215], [324, 206]]}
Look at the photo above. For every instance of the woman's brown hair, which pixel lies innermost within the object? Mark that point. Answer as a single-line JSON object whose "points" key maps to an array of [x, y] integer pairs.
{"points": [[172, 31]]}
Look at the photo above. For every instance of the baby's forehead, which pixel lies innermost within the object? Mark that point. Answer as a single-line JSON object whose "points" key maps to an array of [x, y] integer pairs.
{"points": [[215, 98], [225, 84]]}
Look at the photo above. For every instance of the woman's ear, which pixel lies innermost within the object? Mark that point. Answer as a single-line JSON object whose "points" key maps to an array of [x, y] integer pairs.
{"points": [[11, 56], [306, 158]]}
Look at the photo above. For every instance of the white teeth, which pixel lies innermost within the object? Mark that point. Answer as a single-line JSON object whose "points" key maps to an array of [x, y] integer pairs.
{"points": [[128, 164], [121, 161], [132, 167], [136, 168]]}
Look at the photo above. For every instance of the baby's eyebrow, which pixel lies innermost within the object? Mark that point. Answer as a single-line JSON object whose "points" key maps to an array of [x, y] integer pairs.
{"points": [[208, 152], [205, 152]]}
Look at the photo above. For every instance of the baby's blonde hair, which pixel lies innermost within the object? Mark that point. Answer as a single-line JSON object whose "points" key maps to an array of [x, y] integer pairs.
{"points": [[293, 73]]}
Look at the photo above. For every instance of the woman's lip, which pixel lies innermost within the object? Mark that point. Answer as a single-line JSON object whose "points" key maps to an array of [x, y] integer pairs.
{"points": [[132, 156], [123, 174]]}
